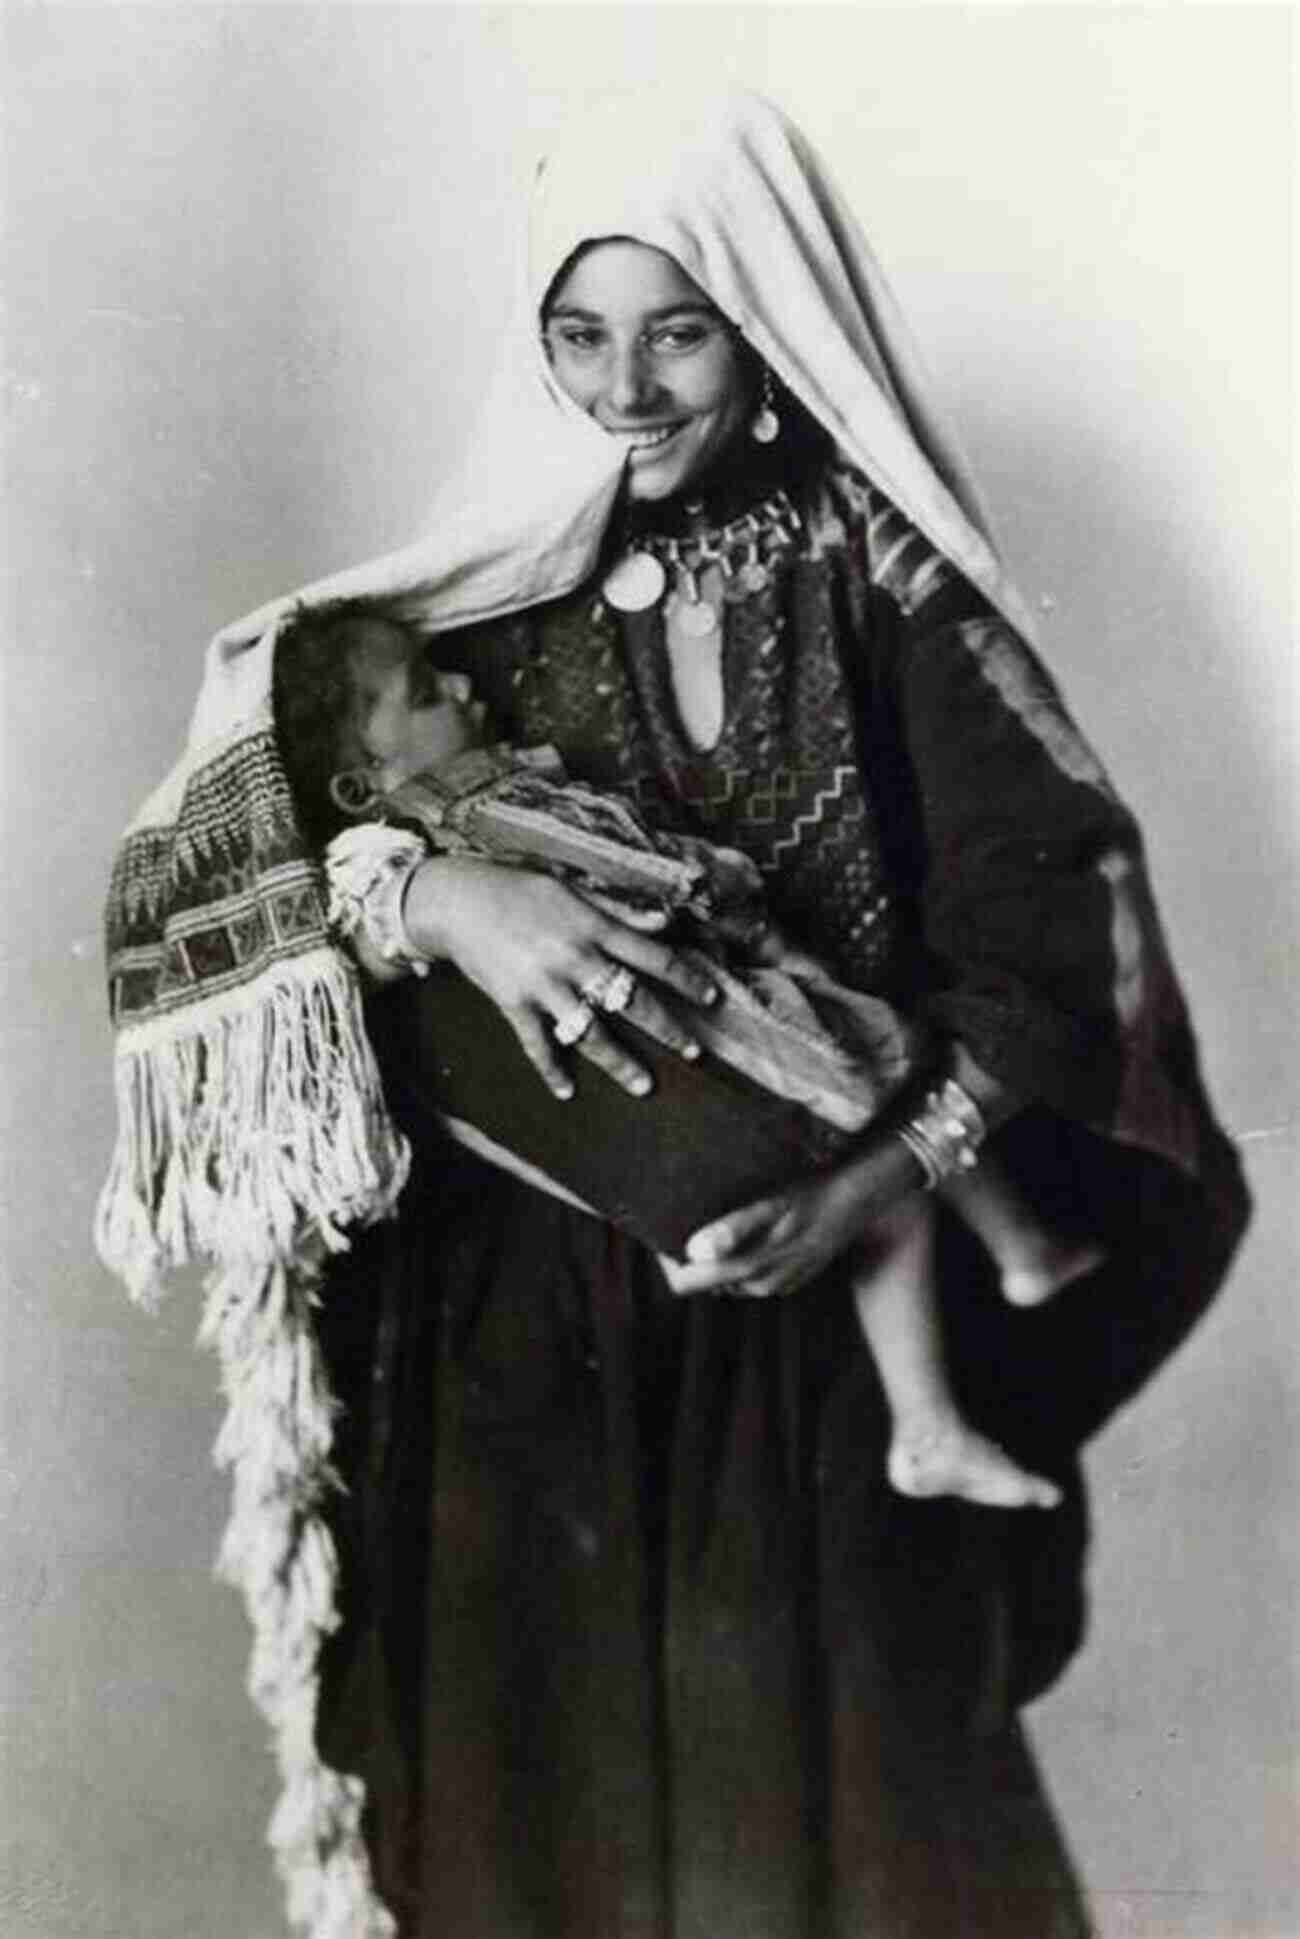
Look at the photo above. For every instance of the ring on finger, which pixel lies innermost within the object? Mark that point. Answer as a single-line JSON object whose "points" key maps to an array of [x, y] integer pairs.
{"points": [[619, 991], [611, 988], [573, 1026], [598, 984]]}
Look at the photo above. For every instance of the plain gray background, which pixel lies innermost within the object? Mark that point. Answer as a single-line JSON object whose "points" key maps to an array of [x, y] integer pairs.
{"points": [[256, 260]]}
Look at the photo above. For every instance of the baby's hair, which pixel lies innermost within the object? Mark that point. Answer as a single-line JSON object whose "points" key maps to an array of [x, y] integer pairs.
{"points": [[311, 696]]}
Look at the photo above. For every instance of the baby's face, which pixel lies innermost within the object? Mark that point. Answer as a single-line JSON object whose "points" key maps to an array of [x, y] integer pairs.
{"points": [[405, 716]]}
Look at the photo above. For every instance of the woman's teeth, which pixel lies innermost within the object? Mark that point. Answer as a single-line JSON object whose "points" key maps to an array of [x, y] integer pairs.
{"points": [[647, 440]]}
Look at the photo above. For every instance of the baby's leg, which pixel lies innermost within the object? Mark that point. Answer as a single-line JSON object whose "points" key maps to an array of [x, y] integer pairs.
{"points": [[1033, 1261], [932, 1451]]}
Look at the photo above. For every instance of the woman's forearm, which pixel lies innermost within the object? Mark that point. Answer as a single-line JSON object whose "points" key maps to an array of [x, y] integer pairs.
{"points": [[882, 1171], [886, 1165], [944, 1120], [431, 905]]}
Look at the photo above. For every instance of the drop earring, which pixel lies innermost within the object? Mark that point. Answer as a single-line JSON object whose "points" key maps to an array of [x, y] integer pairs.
{"points": [[765, 427]]}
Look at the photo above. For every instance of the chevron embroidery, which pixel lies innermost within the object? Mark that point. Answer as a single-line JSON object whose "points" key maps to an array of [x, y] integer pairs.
{"points": [[823, 797]]}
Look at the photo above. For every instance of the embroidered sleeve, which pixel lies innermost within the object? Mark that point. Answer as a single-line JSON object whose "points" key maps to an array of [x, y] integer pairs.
{"points": [[367, 869], [901, 561], [898, 559], [1022, 870]]}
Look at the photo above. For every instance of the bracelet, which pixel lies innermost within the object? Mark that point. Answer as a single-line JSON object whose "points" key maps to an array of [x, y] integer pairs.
{"points": [[385, 918], [945, 1135]]}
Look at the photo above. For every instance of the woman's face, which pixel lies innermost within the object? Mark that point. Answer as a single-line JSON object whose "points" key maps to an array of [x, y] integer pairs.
{"points": [[639, 347]]}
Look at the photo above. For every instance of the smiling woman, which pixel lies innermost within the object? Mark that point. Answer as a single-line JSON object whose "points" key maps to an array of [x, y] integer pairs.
{"points": [[630, 1634], [639, 347]]}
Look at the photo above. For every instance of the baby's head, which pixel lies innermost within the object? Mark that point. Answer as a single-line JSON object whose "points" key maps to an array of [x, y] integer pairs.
{"points": [[353, 688]]}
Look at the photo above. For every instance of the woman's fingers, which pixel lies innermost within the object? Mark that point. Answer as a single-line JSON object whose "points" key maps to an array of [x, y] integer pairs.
{"points": [[650, 922], [600, 1049], [645, 1010], [535, 1029], [622, 995], [706, 1276], [678, 972], [549, 960], [779, 1244], [753, 1251], [540, 1050], [740, 1229], [723, 1276], [575, 1010]]}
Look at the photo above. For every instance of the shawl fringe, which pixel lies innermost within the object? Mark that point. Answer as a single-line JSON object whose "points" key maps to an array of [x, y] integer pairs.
{"points": [[249, 1129], [278, 1552], [255, 1136]]}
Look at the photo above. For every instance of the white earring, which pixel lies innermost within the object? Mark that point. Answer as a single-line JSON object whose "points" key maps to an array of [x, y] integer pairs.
{"points": [[765, 426]]}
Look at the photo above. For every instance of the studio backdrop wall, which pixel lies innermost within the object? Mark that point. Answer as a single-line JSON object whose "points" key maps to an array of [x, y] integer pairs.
{"points": [[256, 258]]}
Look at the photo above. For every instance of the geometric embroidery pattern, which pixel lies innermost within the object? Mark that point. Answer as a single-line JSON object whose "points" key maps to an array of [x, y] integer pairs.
{"points": [[208, 903], [784, 781]]}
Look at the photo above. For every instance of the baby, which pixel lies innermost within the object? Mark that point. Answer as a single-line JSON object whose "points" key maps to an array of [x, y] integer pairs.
{"points": [[371, 730]]}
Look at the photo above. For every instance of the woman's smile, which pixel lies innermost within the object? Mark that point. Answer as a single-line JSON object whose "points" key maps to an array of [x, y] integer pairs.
{"points": [[639, 347], [644, 440], [646, 449]]}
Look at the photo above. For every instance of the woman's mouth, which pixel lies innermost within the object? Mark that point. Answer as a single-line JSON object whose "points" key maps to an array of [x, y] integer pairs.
{"points": [[650, 439]]}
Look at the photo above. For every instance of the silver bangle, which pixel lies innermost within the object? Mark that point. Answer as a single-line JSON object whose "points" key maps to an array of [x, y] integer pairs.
{"points": [[946, 1134]]}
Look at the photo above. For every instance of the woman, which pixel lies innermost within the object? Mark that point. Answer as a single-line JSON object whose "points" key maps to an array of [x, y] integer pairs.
{"points": [[630, 1637]]}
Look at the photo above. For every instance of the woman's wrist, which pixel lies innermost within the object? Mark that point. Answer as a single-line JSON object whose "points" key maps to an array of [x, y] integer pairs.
{"points": [[944, 1132], [368, 869], [427, 902], [935, 1129], [883, 1170], [945, 1120]]}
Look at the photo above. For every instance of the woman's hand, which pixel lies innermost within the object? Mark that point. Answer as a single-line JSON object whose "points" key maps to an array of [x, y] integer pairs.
{"points": [[534, 946], [780, 1243]]}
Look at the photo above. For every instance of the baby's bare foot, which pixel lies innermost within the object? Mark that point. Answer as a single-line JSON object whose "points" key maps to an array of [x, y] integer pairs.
{"points": [[953, 1459], [1031, 1281]]}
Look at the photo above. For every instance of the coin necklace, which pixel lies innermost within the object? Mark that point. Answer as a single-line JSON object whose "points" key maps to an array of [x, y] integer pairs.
{"points": [[636, 582], [745, 551], [688, 608]]}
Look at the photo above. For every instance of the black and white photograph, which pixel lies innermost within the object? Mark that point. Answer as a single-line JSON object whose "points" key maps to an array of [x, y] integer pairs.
{"points": [[651, 762]]}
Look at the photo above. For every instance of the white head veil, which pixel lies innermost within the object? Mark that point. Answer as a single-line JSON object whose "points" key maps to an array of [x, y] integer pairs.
{"points": [[735, 194]]}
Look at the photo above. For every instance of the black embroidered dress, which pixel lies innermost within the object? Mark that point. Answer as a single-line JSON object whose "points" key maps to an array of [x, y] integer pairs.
{"points": [[639, 1643]]}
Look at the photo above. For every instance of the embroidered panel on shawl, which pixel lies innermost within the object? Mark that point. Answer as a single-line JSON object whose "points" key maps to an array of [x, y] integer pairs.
{"points": [[240, 889]]}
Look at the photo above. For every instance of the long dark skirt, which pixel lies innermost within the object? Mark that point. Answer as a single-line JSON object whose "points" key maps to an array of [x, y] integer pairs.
{"points": [[639, 1645]]}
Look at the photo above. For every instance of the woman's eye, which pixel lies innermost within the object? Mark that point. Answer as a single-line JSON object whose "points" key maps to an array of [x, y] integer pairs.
{"points": [[677, 338], [579, 340]]}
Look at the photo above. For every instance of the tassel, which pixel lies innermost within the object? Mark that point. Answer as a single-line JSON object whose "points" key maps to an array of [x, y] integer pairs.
{"points": [[259, 1124], [278, 1551], [252, 1131]]}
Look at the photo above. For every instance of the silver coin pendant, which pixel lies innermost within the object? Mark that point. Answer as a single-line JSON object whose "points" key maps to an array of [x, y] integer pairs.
{"points": [[696, 619], [635, 582]]}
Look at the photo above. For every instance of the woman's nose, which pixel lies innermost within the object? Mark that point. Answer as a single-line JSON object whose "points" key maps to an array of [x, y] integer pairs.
{"points": [[630, 381]]}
